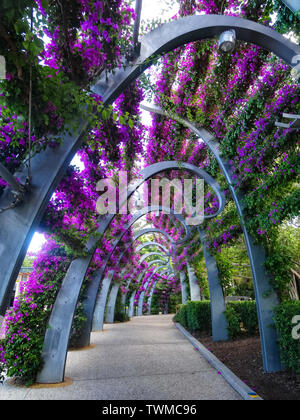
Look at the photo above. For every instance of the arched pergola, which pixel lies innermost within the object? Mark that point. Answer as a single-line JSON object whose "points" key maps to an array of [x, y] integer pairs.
{"points": [[266, 298], [48, 167], [60, 322]]}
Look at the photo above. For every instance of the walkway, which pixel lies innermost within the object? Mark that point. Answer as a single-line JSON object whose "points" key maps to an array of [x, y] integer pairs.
{"points": [[145, 359]]}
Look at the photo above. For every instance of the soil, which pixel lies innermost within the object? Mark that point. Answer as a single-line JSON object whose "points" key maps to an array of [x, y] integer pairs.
{"points": [[244, 358]]}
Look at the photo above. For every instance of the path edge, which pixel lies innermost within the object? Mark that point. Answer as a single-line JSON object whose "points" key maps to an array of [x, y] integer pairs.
{"points": [[236, 383]]}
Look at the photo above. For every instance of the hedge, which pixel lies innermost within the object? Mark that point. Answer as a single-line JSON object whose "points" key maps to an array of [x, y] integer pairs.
{"points": [[241, 317], [195, 316], [289, 345], [242, 320]]}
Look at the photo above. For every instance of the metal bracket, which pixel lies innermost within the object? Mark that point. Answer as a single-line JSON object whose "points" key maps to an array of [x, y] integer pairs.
{"points": [[294, 124], [18, 190]]}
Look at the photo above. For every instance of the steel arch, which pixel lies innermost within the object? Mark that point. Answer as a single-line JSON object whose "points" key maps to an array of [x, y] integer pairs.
{"points": [[266, 298], [19, 225]]}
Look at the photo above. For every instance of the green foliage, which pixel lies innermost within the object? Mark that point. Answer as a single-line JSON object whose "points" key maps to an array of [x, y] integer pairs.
{"points": [[286, 19], [201, 273], [30, 315], [174, 302], [225, 269], [28, 262], [120, 315], [233, 324], [155, 307], [242, 319], [195, 316], [78, 323], [289, 347], [181, 316]]}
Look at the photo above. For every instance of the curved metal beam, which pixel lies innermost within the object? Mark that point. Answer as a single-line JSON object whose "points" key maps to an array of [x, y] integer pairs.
{"points": [[48, 167], [141, 276], [98, 314], [217, 300], [156, 262], [149, 302], [266, 298], [183, 284], [55, 351], [111, 304], [98, 319], [194, 284], [60, 322], [18, 226], [89, 303], [153, 244]]}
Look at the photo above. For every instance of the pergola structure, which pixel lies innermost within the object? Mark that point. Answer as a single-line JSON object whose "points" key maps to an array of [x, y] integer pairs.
{"points": [[19, 224]]}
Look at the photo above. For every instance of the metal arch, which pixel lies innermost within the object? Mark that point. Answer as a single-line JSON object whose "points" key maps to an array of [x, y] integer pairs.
{"points": [[60, 323], [156, 262], [101, 298], [195, 28], [92, 293], [18, 226], [183, 166], [183, 284], [140, 277], [61, 318], [172, 274], [294, 123], [138, 13], [293, 5], [98, 318], [141, 299], [153, 230], [149, 302], [48, 167], [150, 254], [153, 244], [266, 298]]}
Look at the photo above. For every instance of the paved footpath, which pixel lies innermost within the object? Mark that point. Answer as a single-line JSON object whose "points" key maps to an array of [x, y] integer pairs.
{"points": [[145, 359]]}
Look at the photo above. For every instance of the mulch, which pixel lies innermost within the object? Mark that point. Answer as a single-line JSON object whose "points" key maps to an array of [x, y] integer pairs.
{"points": [[244, 358]]}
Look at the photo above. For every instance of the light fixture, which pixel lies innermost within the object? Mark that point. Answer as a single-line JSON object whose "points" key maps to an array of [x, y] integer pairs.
{"points": [[227, 41]]}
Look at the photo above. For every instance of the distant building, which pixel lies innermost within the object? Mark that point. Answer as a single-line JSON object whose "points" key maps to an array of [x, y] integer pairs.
{"points": [[22, 277]]}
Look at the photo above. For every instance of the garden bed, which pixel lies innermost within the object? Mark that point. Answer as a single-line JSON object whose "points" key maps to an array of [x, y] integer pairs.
{"points": [[244, 358]]}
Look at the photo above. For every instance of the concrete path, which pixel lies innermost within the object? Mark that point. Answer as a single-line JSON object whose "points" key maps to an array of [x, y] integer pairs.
{"points": [[145, 359]]}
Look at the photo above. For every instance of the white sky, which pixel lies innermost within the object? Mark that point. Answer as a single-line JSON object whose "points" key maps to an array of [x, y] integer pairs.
{"points": [[154, 8]]}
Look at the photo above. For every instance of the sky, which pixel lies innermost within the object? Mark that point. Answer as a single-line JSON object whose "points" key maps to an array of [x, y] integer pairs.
{"points": [[153, 8]]}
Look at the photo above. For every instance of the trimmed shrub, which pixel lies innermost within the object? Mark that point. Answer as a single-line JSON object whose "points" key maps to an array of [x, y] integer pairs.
{"points": [[195, 316], [289, 345], [242, 318], [233, 323], [181, 316]]}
